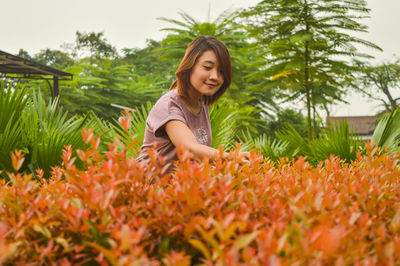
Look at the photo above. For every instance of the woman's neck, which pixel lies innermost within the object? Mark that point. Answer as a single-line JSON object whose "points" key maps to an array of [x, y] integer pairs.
{"points": [[193, 97], [192, 102]]}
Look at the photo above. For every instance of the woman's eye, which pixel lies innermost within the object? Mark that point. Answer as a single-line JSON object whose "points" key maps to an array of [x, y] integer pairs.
{"points": [[207, 67]]}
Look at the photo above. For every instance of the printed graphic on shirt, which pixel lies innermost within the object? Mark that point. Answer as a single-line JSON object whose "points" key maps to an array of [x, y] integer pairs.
{"points": [[201, 135]]}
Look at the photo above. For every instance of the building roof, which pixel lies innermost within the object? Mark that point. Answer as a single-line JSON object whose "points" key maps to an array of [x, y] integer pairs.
{"points": [[363, 125], [24, 68]]}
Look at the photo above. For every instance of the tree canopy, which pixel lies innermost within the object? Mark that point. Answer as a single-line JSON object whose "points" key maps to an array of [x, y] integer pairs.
{"points": [[306, 46]]}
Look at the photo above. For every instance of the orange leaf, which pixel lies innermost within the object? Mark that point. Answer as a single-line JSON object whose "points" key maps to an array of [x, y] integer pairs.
{"points": [[17, 159]]}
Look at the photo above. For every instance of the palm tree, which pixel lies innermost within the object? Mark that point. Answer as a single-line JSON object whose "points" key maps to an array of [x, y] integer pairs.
{"points": [[223, 27]]}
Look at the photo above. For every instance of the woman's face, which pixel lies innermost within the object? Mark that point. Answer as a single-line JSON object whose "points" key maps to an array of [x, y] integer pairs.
{"points": [[205, 76]]}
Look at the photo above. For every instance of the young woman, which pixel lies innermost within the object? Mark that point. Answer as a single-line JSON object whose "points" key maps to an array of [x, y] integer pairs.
{"points": [[180, 118]]}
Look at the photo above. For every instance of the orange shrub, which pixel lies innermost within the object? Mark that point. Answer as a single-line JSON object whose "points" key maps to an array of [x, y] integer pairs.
{"points": [[221, 213]]}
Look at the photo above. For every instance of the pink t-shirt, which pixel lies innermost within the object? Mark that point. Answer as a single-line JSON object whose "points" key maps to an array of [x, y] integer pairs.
{"points": [[170, 107]]}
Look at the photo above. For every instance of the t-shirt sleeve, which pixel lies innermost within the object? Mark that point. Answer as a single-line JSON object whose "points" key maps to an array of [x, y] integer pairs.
{"points": [[162, 113]]}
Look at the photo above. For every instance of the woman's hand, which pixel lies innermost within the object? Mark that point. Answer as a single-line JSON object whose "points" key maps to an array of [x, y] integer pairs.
{"points": [[244, 157]]}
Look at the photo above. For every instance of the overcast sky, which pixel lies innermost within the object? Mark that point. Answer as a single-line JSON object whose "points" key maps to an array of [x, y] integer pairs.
{"points": [[38, 24]]}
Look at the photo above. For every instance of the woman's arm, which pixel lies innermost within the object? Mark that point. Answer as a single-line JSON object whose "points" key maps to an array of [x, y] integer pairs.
{"points": [[182, 136]]}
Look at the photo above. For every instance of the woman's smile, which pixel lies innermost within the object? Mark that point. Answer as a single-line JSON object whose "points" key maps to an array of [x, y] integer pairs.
{"points": [[211, 85]]}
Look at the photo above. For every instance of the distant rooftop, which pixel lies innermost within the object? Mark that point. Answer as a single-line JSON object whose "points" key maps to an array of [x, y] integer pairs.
{"points": [[362, 125]]}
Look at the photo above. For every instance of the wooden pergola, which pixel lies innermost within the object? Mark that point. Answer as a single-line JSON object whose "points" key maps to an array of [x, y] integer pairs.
{"points": [[16, 67]]}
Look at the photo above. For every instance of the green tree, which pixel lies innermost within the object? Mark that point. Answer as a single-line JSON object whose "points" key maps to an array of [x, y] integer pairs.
{"points": [[306, 46], [146, 62], [101, 87], [288, 116], [104, 85], [24, 54], [54, 58], [381, 82], [93, 45]]}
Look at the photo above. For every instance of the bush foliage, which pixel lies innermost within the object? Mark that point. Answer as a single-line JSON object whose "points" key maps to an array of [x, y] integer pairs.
{"points": [[117, 211]]}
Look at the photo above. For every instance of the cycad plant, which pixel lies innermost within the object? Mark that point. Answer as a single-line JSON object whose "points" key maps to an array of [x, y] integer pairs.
{"points": [[387, 132], [40, 130], [271, 148], [337, 140], [296, 144], [50, 130], [12, 103], [224, 123]]}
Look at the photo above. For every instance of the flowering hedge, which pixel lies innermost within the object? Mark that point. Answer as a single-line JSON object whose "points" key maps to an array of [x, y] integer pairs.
{"points": [[221, 213]]}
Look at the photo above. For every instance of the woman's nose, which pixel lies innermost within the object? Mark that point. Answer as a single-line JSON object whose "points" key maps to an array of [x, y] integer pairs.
{"points": [[214, 75]]}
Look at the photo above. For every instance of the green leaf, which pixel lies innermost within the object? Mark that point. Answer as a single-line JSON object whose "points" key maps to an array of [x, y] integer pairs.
{"points": [[301, 37], [200, 246], [244, 241], [42, 229], [111, 258], [387, 132]]}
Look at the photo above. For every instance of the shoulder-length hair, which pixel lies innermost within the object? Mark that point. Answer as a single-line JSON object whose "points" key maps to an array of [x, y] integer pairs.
{"points": [[196, 49]]}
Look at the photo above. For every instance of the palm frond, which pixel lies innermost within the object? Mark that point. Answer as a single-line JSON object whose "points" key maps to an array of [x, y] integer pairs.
{"points": [[387, 132], [296, 144], [339, 140], [9, 142], [12, 102], [269, 147], [223, 125]]}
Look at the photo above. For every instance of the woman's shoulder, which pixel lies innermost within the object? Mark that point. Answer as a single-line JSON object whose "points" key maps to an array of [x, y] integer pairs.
{"points": [[166, 108], [165, 96], [168, 96], [167, 101]]}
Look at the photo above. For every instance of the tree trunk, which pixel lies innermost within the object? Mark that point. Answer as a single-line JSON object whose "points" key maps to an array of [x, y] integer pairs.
{"points": [[307, 85], [308, 103], [315, 132], [389, 96]]}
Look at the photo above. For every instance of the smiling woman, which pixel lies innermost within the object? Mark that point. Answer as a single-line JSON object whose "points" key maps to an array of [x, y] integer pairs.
{"points": [[180, 118]]}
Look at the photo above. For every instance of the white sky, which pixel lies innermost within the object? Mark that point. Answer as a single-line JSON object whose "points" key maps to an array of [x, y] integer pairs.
{"points": [[38, 24]]}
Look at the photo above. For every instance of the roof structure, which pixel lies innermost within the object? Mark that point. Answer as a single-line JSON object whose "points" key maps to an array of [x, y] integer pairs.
{"points": [[21, 68], [362, 125]]}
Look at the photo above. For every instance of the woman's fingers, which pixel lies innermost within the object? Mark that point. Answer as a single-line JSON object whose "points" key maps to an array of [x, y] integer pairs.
{"points": [[244, 157]]}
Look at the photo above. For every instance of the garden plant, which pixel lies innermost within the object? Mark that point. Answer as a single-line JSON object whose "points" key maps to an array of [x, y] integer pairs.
{"points": [[73, 193], [102, 207]]}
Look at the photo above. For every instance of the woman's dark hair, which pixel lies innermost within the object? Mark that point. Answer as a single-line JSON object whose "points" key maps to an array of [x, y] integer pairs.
{"points": [[196, 49]]}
